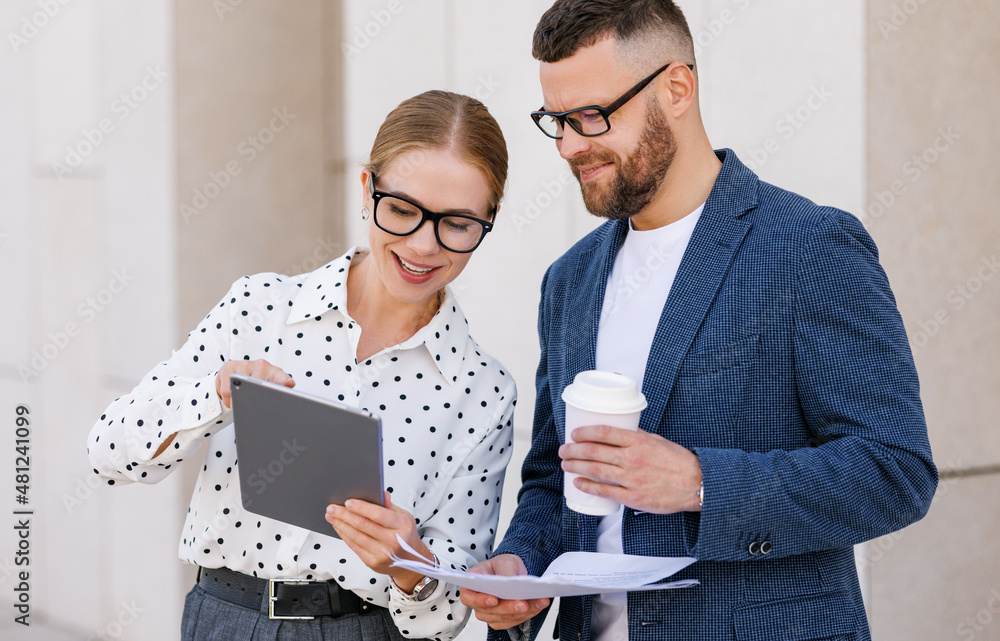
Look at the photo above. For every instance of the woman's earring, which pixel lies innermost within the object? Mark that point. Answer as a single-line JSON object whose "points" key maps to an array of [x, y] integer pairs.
{"points": [[364, 213]]}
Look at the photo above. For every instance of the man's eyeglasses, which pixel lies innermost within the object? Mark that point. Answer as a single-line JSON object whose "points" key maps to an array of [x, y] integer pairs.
{"points": [[401, 217], [593, 120]]}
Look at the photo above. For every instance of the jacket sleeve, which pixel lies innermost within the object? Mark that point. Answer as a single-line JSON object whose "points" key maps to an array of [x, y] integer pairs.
{"points": [[872, 472], [534, 533], [177, 396]]}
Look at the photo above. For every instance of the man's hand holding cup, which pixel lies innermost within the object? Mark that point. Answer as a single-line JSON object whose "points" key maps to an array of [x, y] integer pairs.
{"points": [[608, 461]]}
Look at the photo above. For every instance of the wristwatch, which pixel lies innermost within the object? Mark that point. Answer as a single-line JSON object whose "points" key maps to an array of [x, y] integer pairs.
{"points": [[422, 590], [701, 495]]}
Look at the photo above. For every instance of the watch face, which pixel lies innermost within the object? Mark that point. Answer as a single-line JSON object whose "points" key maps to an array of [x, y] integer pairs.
{"points": [[426, 589]]}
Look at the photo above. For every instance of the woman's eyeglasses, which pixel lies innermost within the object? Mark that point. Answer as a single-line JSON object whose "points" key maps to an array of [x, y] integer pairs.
{"points": [[399, 216]]}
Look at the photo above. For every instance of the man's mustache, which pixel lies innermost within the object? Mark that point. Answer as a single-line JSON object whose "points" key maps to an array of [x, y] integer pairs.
{"points": [[591, 159]]}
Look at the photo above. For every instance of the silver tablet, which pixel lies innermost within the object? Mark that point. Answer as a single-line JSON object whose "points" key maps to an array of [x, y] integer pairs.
{"points": [[297, 453]]}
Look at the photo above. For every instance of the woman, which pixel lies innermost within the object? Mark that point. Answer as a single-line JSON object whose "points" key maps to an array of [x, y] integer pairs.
{"points": [[376, 329]]}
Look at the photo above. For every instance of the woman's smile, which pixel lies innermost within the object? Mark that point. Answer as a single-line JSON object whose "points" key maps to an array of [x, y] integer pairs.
{"points": [[414, 272]]}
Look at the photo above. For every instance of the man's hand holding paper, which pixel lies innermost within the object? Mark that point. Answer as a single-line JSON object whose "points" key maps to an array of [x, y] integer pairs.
{"points": [[504, 594], [501, 614]]}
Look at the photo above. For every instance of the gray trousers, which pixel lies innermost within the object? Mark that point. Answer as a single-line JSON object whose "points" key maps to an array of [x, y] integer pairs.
{"points": [[207, 618]]}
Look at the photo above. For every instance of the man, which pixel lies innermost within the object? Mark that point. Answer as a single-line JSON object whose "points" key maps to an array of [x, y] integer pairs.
{"points": [[784, 422]]}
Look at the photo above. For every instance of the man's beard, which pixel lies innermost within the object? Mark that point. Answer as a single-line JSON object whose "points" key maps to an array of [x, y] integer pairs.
{"points": [[638, 178]]}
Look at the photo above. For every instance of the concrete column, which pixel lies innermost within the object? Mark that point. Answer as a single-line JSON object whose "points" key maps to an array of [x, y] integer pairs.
{"points": [[118, 117], [87, 250], [931, 206], [259, 140]]}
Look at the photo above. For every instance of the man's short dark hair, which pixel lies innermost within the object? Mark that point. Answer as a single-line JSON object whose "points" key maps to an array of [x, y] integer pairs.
{"points": [[570, 25]]}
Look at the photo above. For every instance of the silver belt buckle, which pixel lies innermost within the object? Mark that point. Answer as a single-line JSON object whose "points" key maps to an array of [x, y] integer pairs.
{"points": [[271, 598]]}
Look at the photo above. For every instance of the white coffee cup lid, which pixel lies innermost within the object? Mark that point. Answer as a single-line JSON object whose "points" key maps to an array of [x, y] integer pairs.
{"points": [[605, 393]]}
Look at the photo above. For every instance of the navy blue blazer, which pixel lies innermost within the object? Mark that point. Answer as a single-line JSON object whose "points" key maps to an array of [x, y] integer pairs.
{"points": [[781, 360]]}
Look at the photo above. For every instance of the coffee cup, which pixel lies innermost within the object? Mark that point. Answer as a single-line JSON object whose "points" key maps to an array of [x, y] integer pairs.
{"points": [[599, 398]]}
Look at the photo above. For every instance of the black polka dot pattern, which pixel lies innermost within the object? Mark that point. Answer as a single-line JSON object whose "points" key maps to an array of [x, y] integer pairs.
{"points": [[447, 411]]}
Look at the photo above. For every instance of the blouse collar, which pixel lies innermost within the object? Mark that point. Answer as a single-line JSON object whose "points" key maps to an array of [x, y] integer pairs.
{"points": [[325, 291]]}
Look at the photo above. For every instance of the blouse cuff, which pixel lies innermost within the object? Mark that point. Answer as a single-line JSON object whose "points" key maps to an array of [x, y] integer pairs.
{"points": [[398, 596], [434, 617], [201, 406], [202, 403]]}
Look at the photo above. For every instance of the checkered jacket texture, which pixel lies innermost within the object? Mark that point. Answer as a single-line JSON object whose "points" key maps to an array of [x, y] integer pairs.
{"points": [[781, 360]]}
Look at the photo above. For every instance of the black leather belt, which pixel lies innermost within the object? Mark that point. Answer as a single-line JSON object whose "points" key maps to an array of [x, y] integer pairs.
{"points": [[282, 598]]}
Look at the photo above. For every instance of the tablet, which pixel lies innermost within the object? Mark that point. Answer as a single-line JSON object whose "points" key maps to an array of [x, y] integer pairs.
{"points": [[297, 453]]}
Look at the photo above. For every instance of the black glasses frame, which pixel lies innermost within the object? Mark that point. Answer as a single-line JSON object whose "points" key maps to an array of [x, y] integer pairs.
{"points": [[426, 215], [563, 116]]}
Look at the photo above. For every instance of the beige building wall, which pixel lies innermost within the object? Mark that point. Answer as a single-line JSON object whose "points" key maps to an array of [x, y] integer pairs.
{"points": [[933, 189], [153, 152], [259, 150], [88, 239], [259, 127]]}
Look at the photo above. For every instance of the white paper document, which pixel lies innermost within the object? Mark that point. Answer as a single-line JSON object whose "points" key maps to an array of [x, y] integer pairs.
{"points": [[571, 574]]}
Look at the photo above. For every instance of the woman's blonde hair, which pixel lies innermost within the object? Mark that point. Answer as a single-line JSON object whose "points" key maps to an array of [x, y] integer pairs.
{"points": [[444, 120]]}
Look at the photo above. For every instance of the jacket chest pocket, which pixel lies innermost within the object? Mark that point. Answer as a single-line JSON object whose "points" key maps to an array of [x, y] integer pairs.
{"points": [[711, 391], [711, 386], [715, 362]]}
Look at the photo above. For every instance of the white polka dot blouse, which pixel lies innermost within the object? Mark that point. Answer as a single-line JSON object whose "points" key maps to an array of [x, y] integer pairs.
{"points": [[446, 407]]}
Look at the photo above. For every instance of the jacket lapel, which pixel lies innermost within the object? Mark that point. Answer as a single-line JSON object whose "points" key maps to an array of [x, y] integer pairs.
{"points": [[714, 243], [587, 297]]}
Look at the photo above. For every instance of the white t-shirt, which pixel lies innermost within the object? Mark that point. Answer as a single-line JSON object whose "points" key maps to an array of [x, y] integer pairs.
{"points": [[636, 293]]}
